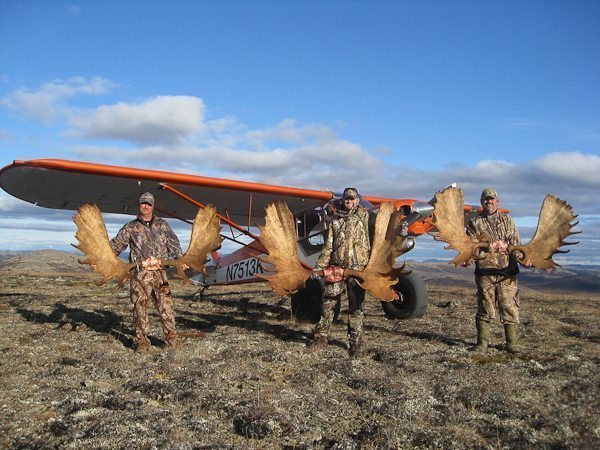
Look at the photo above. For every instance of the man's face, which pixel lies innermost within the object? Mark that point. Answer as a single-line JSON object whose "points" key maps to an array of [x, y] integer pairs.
{"points": [[146, 209], [490, 205], [350, 203]]}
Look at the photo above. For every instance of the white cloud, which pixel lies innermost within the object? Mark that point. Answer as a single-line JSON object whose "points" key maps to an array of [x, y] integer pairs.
{"points": [[335, 163], [163, 119], [9, 204], [46, 104], [35, 226], [571, 167], [338, 164], [99, 153], [170, 133], [289, 131]]}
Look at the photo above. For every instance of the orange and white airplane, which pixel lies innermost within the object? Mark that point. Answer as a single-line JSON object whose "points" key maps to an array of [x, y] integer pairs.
{"points": [[62, 184]]}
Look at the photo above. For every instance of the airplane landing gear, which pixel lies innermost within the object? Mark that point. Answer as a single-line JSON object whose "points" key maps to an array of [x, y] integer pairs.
{"points": [[414, 298], [200, 294]]}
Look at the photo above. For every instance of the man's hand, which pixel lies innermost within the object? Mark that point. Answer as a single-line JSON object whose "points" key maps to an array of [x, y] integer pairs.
{"points": [[499, 246], [333, 274], [151, 263]]}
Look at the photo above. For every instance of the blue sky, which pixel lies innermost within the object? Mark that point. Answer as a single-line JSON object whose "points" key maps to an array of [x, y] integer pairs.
{"points": [[397, 98]]}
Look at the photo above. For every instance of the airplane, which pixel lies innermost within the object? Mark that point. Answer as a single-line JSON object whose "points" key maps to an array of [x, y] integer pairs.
{"points": [[64, 184]]}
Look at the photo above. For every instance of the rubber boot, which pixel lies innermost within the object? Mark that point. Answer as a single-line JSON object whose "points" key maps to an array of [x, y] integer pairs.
{"points": [[510, 330], [483, 336], [319, 343]]}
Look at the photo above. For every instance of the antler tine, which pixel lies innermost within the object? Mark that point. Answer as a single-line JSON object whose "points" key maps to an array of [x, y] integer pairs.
{"points": [[554, 225], [380, 274], [448, 218], [403, 270], [205, 237], [278, 236], [93, 242], [265, 265]]}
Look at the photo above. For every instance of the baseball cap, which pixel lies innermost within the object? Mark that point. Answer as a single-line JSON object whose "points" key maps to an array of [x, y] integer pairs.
{"points": [[147, 197], [489, 193], [350, 192]]}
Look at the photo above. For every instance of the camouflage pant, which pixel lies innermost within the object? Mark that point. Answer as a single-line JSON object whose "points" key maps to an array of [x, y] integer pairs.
{"points": [[152, 284], [356, 296], [497, 291]]}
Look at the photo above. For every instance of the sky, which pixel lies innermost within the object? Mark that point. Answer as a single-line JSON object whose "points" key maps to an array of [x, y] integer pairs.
{"points": [[396, 98]]}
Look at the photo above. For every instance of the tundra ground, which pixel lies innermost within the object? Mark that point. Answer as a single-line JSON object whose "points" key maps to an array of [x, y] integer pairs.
{"points": [[243, 378]]}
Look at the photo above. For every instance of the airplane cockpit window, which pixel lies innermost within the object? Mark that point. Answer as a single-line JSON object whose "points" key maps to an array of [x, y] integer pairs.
{"points": [[311, 228], [317, 234]]}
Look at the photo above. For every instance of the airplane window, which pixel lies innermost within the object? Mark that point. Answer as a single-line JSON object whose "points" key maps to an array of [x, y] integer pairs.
{"points": [[316, 239]]}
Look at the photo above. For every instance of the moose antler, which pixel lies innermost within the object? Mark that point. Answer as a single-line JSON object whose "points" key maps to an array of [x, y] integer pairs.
{"points": [[94, 243], [449, 219], [278, 237], [380, 274], [206, 237], [554, 225]]}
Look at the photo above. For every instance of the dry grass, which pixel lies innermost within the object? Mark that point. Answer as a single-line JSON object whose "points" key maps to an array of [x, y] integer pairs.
{"points": [[69, 377]]}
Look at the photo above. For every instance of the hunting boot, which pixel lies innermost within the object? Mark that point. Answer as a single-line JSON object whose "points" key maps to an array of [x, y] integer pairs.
{"points": [[483, 336], [356, 347], [319, 343], [510, 330], [172, 340], [142, 347]]}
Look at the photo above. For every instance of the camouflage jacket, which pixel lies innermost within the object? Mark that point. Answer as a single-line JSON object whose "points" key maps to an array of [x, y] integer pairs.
{"points": [[347, 244], [154, 239], [495, 227]]}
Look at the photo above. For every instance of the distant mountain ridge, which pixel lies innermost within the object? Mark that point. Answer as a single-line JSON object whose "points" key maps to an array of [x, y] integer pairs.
{"points": [[43, 261], [575, 278], [5, 254]]}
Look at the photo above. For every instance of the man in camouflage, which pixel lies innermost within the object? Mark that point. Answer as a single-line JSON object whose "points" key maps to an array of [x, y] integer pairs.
{"points": [[496, 275], [150, 239], [347, 246]]}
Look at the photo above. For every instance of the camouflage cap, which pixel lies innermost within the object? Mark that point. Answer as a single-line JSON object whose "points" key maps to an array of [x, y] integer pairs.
{"points": [[489, 193], [350, 192], [146, 197]]}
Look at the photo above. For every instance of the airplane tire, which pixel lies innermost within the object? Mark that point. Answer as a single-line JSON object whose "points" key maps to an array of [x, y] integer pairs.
{"points": [[414, 298]]}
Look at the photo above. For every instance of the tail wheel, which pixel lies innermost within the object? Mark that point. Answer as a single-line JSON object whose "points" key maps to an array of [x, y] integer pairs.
{"points": [[413, 301]]}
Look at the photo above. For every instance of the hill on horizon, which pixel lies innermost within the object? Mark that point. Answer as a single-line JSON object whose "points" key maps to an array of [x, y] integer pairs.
{"points": [[575, 278], [43, 261]]}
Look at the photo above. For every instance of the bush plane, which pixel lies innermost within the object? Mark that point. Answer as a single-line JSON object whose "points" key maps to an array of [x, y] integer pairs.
{"points": [[240, 207]]}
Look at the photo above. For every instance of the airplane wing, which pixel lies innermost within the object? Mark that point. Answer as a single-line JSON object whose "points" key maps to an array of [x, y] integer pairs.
{"points": [[62, 184]]}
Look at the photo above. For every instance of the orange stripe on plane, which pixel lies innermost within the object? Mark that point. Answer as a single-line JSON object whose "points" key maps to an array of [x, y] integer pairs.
{"points": [[170, 177]]}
